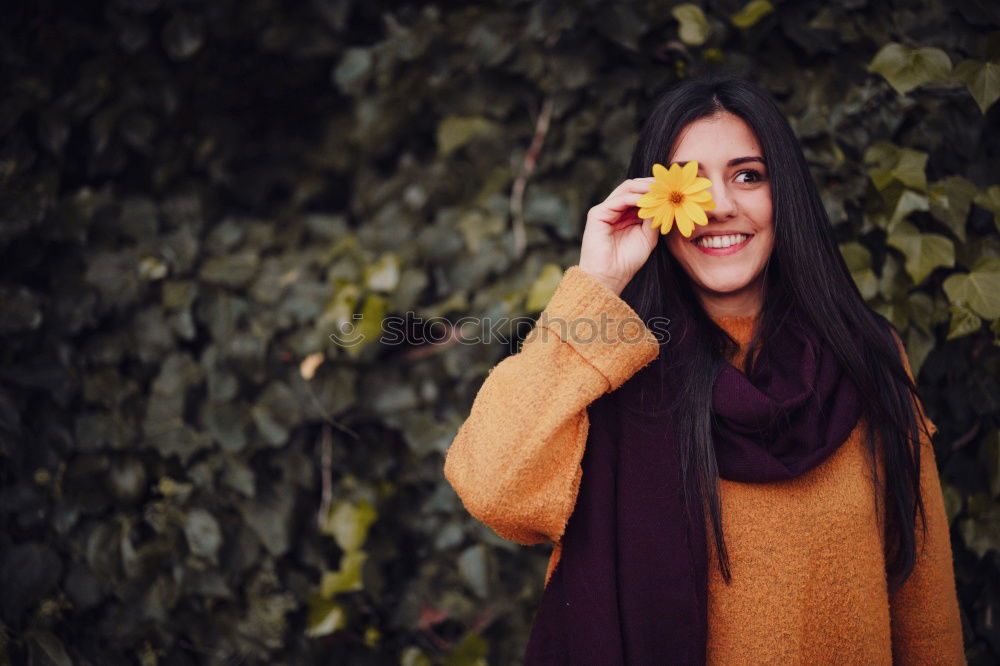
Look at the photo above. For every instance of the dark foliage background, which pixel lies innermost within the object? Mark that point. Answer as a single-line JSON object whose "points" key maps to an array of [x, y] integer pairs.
{"points": [[194, 196]]}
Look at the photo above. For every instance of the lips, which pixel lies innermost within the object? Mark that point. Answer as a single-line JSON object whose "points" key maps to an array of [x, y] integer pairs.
{"points": [[722, 251], [719, 233]]}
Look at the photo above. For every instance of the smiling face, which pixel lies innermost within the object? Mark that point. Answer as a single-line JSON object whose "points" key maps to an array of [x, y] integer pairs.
{"points": [[727, 275]]}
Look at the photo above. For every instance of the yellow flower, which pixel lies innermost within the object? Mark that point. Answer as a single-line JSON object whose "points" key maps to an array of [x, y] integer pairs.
{"points": [[677, 194]]}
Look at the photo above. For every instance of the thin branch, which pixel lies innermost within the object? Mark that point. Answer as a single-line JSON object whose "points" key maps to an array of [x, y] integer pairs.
{"points": [[430, 348], [326, 471], [327, 416], [967, 437], [521, 182]]}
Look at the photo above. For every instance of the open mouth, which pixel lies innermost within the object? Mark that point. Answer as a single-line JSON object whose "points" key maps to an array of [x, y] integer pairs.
{"points": [[722, 245]]}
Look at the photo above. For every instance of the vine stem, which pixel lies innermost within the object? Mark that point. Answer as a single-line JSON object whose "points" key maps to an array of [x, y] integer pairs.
{"points": [[521, 182]]}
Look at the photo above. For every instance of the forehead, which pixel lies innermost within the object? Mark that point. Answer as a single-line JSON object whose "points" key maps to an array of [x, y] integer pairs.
{"points": [[715, 138]]}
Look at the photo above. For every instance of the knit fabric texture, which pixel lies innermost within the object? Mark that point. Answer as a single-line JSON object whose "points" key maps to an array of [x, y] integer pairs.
{"points": [[809, 583]]}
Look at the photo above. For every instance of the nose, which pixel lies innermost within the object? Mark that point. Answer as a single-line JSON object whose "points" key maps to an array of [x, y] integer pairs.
{"points": [[725, 204]]}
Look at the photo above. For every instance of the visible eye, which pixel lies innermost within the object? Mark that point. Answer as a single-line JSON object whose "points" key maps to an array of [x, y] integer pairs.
{"points": [[754, 176]]}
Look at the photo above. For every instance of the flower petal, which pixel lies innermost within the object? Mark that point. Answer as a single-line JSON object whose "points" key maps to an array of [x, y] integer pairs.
{"points": [[698, 197], [667, 219], [696, 185], [675, 176], [695, 212], [684, 224], [651, 199], [689, 172]]}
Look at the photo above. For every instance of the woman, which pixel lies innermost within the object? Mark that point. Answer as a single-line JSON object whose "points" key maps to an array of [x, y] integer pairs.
{"points": [[758, 485]]}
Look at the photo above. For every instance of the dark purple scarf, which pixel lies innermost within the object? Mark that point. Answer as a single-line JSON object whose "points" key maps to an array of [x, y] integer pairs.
{"points": [[631, 583]]}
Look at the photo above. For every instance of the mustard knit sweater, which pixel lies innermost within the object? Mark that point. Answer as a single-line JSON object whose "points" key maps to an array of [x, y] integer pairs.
{"points": [[808, 572]]}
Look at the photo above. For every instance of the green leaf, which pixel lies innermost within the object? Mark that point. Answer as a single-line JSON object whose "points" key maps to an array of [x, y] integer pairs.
{"points": [[231, 270], [621, 23], [891, 162], [921, 310], [926, 311], [752, 12], [477, 226], [952, 500], [226, 422], [923, 252], [474, 567], [413, 656], [50, 645], [979, 289], [694, 27], [269, 515], [896, 311], [893, 279], [963, 321], [989, 456], [345, 579], [472, 651], [353, 70], [908, 202], [275, 413], [918, 345], [950, 200], [543, 287], [383, 275], [341, 317], [325, 617], [979, 530], [982, 79], [551, 208], [859, 263], [372, 313], [204, 537], [990, 200], [348, 523], [905, 68], [456, 131]]}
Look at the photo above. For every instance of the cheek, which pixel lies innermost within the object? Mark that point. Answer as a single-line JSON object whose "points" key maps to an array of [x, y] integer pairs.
{"points": [[674, 241], [760, 211]]}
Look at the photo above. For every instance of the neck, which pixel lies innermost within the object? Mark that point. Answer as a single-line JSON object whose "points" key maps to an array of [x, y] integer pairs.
{"points": [[745, 303]]}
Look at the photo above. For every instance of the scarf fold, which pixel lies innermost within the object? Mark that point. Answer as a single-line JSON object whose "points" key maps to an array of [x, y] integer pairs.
{"points": [[630, 586]]}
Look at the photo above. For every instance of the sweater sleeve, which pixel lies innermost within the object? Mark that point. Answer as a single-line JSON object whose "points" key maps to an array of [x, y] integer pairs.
{"points": [[926, 623], [515, 461]]}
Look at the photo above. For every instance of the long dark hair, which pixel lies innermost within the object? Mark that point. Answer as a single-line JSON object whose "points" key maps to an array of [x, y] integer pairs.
{"points": [[825, 293]]}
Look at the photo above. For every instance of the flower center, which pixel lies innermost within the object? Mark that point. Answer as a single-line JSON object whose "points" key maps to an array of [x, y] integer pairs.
{"points": [[676, 197]]}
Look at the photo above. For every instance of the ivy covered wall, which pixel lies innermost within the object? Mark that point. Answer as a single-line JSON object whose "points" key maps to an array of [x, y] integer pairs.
{"points": [[198, 198]]}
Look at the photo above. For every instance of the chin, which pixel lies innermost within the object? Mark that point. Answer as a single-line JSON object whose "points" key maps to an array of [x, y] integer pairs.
{"points": [[722, 285]]}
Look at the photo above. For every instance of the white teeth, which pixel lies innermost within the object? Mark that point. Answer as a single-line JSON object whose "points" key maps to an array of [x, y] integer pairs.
{"points": [[721, 241]]}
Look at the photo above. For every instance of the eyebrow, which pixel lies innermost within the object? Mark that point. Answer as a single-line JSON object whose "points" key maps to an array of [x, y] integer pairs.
{"points": [[740, 160]]}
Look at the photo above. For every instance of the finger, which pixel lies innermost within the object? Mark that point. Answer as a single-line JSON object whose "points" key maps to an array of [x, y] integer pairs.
{"points": [[623, 201], [629, 217], [633, 185], [652, 234]]}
